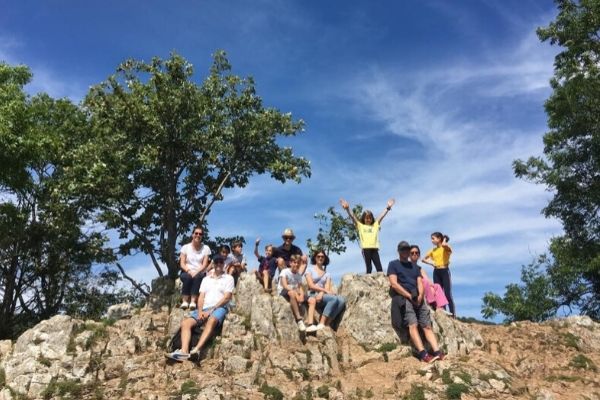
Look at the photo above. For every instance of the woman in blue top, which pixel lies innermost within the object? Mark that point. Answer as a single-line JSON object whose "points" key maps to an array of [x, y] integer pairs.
{"points": [[320, 289]]}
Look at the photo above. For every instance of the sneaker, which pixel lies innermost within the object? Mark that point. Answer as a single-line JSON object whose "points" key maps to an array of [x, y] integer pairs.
{"points": [[428, 358], [192, 306], [439, 354], [184, 305], [311, 328], [178, 356], [319, 327], [301, 326]]}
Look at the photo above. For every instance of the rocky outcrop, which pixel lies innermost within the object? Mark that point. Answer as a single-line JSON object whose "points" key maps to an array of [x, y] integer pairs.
{"points": [[260, 354]]}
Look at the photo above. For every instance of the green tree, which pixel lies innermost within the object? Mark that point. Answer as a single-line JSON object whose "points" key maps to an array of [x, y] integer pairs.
{"points": [[45, 252], [334, 230], [570, 166], [533, 300], [163, 147]]}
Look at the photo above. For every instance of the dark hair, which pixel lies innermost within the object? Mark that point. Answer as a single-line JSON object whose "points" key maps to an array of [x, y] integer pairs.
{"points": [[313, 259], [224, 247], [365, 214], [440, 236], [414, 246], [236, 243], [199, 228]]}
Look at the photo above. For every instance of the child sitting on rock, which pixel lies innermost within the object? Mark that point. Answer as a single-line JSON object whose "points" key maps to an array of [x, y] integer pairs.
{"points": [[289, 285], [267, 265]]}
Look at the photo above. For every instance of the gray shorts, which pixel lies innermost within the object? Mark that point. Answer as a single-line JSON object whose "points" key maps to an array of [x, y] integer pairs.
{"points": [[414, 316]]}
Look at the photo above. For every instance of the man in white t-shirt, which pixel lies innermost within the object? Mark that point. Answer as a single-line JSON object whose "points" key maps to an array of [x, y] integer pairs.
{"points": [[215, 293]]}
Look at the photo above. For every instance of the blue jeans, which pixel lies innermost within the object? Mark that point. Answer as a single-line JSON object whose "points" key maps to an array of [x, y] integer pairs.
{"points": [[331, 305]]}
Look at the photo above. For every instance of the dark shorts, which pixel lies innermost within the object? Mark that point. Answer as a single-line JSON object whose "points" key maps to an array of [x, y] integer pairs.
{"points": [[418, 315]]}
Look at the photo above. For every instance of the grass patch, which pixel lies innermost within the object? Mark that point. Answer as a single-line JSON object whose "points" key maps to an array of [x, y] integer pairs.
{"points": [[2, 378], [304, 373], [455, 390], [323, 391], [189, 387], [387, 347], [446, 379], [582, 362], [563, 378], [271, 392], [417, 392], [45, 361], [570, 340], [247, 322], [63, 389], [466, 377]]}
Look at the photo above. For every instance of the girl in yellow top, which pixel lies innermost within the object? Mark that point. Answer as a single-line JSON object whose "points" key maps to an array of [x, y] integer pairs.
{"points": [[368, 233], [439, 258]]}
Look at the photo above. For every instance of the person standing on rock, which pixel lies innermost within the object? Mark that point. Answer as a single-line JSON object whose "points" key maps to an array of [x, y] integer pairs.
{"points": [[368, 233], [408, 307], [439, 259], [321, 294], [283, 253], [215, 293], [193, 262]]}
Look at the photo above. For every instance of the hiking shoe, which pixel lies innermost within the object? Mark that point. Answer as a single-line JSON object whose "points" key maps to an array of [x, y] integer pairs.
{"points": [[428, 358], [301, 326], [439, 354], [192, 306], [311, 328], [178, 356], [184, 305]]}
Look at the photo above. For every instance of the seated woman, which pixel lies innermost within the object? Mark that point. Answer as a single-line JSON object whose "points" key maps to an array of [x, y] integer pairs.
{"points": [[434, 294], [289, 285], [321, 293], [193, 262]]}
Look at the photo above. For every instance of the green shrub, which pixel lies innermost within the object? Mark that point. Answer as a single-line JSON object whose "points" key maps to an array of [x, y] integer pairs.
{"points": [[455, 390], [2, 378], [387, 347], [582, 362], [271, 392], [63, 389], [417, 392], [189, 387], [323, 391]]}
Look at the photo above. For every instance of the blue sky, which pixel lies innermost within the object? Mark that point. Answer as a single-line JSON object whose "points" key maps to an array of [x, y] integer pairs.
{"points": [[427, 102]]}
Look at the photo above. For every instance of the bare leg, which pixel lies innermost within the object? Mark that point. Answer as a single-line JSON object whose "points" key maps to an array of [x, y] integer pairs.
{"points": [[413, 330], [294, 305], [266, 278], [324, 320], [209, 328], [430, 336], [185, 298], [186, 333], [312, 303]]}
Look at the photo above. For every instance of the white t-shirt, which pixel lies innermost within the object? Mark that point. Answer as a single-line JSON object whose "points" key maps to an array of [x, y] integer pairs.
{"points": [[214, 288], [294, 280], [232, 258], [193, 257]]}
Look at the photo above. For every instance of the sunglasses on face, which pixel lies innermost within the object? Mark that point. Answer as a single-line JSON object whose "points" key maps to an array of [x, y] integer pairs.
{"points": [[288, 238], [320, 256], [415, 252], [197, 233]]}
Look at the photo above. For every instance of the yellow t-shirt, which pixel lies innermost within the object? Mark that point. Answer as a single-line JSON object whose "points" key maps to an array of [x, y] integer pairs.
{"points": [[368, 235], [440, 256]]}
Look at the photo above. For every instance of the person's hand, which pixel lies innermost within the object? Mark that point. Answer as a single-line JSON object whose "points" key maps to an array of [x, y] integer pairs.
{"points": [[192, 273], [420, 299], [344, 204], [257, 241], [390, 203], [204, 315]]}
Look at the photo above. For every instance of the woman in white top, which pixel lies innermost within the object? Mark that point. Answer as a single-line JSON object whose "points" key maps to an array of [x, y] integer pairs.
{"points": [[193, 262]]}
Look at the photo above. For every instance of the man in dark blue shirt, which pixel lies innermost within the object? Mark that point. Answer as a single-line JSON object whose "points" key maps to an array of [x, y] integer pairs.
{"points": [[282, 254], [407, 290]]}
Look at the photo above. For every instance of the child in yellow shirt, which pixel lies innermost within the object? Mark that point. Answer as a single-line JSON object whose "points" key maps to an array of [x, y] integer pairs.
{"points": [[368, 233], [439, 258]]}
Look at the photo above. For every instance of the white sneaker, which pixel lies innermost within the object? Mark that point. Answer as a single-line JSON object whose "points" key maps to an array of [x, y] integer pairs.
{"points": [[178, 356], [319, 327], [192, 306], [301, 326], [184, 305], [311, 328]]}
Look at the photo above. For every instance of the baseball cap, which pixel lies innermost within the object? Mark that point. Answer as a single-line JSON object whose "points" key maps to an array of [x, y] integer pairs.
{"points": [[403, 245]]}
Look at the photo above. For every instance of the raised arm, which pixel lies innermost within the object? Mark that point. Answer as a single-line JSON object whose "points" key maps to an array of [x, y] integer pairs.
{"points": [[388, 207], [346, 207], [256, 243]]}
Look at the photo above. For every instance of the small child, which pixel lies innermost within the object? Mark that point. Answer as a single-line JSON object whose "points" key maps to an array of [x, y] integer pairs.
{"points": [[235, 263], [289, 285], [368, 233], [439, 258], [267, 265]]}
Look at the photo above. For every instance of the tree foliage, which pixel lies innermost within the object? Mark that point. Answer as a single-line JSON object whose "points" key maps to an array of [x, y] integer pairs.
{"points": [[162, 148], [570, 166], [45, 251], [334, 230]]}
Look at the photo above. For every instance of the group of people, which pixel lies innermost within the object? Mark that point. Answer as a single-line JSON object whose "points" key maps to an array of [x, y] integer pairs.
{"points": [[207, 285]]}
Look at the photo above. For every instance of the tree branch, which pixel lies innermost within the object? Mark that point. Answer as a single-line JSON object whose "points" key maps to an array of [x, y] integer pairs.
{"points": [[210, 203], [135, 284]]}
